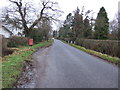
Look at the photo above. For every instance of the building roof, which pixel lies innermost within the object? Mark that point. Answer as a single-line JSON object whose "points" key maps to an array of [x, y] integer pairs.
{"points": [[7, 29], [2, 25]]}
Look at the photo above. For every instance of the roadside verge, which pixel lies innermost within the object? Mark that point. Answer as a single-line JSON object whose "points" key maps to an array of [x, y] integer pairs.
{"points": [[12, 65], [106, 57]]}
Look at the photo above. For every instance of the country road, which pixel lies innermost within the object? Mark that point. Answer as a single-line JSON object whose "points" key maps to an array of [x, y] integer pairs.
{"points": [[63, 66]]}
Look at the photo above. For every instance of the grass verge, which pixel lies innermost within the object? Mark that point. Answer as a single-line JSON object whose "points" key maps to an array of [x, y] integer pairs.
{"points": [[12, 65], [109, 58]]}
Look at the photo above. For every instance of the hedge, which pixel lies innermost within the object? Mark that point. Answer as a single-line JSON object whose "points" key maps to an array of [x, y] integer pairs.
{"points": [[110, 47], [17, 41]]}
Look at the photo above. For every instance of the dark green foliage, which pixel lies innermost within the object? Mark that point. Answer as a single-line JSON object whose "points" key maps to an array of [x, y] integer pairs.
{"points": [[81, 31], [41, 32], [66, 32], [102, 25], [87, 29], [76, 27], [55, 34], [36, 35]]}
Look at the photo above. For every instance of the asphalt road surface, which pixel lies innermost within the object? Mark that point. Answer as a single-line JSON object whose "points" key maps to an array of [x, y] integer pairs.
{"points": [[63, 66]]}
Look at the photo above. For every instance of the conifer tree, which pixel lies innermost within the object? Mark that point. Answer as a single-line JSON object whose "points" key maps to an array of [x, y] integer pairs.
{"points": [[101, 25], [78, 24], [87, 28]]}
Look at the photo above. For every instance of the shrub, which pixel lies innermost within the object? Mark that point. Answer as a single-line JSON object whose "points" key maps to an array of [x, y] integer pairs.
{"points": [[109, 47], [17, 41], [36, 35], [98, 54]]}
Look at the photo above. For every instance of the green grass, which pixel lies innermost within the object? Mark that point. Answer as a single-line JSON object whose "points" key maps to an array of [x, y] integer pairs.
{"points": [[109, 58], [12, 65]]}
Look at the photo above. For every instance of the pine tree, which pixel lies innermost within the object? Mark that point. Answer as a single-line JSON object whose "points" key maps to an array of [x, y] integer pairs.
{"points": [[66, 31], [67, 25], [55, 34], [101, 25], [87, 29], [78, 24]]}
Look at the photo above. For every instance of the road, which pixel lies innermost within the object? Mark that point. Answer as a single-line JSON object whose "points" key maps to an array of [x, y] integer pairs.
{"points": [[63, 66]]}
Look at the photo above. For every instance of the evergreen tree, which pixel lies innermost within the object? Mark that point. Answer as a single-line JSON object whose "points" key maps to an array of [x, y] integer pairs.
{"points": [[87, 29], [61, 33], [55, 34], [66, 31], [78, 24], [67, 24], [102, 25]]}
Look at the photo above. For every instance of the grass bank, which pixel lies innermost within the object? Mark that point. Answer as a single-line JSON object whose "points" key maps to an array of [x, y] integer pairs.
{"points": [[12, 65], [109, 58]]}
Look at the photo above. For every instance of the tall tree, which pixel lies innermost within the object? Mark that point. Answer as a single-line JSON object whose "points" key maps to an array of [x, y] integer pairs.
{"points": [[102, 25], [66, 30], [113, 30], [25, 15], [87, 28], [78, 24], [42, 31], [114, 27], [55, 33], [67, 25], [45, 28]]}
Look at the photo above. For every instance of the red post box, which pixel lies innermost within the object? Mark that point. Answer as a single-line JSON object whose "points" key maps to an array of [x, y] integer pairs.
{"points": [[30, 42]]}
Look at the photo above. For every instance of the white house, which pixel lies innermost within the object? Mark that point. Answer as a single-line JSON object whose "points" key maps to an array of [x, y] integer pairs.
{"points": [[4, 31]]}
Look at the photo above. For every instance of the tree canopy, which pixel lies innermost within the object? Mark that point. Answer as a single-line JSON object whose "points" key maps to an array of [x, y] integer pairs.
{"points": [[26, 16]]}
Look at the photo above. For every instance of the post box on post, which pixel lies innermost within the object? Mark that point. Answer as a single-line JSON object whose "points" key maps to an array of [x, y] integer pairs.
{"points": [[31, 42]]}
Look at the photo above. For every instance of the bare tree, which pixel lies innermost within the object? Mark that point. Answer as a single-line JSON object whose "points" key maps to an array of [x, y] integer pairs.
{"points": [[113, 26], [24, 15]]}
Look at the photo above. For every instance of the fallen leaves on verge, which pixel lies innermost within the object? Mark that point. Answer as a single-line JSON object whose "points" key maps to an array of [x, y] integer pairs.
{"points": [[17, 51]]}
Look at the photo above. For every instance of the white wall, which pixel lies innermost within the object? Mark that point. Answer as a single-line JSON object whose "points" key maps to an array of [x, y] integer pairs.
{"points": [[4, 32]]}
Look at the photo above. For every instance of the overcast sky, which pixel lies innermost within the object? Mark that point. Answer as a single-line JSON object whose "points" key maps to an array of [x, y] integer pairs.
{"points": [[68, 6], [111, 6]]}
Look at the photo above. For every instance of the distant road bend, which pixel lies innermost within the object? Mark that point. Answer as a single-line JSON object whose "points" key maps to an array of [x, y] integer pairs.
{"points": [[63, 66]]}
